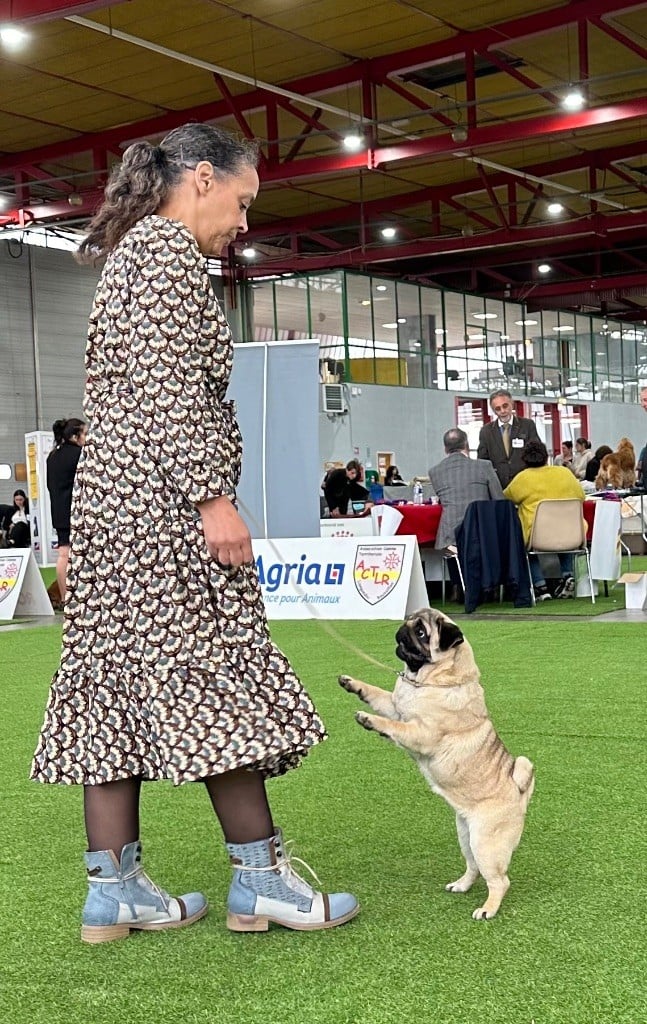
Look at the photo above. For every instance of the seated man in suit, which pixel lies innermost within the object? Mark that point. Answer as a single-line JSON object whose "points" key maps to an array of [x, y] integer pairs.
{"points": [[502, 441], [459, 480]]}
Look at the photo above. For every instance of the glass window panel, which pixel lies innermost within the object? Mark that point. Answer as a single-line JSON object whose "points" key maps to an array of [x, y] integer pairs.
{"points": [[262, 311], [291, 305], [433, 335]]}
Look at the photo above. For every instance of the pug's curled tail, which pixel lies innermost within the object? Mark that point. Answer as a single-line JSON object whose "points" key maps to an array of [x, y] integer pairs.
{"points": [[523, 774]]}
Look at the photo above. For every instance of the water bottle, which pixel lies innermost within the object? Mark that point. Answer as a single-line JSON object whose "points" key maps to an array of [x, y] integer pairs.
{"points": [[417, 494]]}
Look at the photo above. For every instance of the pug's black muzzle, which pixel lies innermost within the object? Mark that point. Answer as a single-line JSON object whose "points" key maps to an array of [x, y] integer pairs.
{"points": [[410, 650]]}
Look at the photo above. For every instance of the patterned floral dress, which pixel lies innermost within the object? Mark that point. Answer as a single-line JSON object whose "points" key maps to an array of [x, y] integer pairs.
{"points": [[167, 668]]}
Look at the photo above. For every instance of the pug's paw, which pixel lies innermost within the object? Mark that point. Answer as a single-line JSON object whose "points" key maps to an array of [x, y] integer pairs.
{"points": [[347, 683], [481, 914], [366, 721]]}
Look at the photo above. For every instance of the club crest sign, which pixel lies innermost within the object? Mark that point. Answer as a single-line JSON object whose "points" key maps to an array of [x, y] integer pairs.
{"points": [[377, 570], [9, 573]]}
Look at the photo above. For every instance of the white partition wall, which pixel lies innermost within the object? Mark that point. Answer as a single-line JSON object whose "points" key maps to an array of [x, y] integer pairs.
{"points": [[275, 387], [38, 445]]}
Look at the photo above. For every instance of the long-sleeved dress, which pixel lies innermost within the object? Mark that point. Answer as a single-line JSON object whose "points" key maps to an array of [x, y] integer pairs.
{"points": [[167, 668]]}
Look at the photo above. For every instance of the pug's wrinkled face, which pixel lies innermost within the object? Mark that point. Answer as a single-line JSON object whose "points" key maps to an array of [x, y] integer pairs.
{"points": [[425, 638]]}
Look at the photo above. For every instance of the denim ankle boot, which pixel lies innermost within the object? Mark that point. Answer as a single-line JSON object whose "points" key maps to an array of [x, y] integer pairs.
{"points": [[266, 888], [122, 896]]}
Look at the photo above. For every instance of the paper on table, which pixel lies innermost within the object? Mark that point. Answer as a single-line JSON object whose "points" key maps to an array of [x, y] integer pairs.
{"points": [[389, 520]]}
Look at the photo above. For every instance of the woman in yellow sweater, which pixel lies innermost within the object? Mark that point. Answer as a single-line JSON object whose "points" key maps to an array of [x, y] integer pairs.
{"points": [[536, 483]]}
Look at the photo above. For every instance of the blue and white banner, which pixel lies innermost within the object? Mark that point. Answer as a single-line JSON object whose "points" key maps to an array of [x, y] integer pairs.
{"points": [[340, 578]]}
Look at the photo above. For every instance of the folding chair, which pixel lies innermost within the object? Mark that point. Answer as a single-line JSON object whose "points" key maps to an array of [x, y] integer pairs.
{"points": [[559, 529], [447, 555]]}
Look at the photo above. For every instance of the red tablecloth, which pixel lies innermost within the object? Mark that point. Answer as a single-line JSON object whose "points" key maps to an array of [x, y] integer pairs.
{"points": [[421, 521], [588, 511]]}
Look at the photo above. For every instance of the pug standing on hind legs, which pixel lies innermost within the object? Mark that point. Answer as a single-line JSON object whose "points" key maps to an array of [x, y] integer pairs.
{"points": [[437, 712]]}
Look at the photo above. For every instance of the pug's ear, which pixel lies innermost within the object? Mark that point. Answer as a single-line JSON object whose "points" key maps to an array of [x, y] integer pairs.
{"points": [[449, 635]]}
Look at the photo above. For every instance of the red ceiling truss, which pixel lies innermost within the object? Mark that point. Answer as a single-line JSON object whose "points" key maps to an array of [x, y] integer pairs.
{"points": [[486, 231]]}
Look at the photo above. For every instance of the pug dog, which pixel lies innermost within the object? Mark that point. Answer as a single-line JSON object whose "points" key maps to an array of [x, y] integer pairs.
{"points": [[437, 712]]}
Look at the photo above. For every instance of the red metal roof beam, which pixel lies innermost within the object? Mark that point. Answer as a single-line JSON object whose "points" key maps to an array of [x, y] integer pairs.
{"points": [[30, 11]]}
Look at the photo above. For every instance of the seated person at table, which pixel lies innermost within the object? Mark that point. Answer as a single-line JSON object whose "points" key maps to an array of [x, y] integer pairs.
{"points": [[593, 466], [341, 486], [565, 458], [581, 457], [392, 478], [534, 484], [459, 480]]}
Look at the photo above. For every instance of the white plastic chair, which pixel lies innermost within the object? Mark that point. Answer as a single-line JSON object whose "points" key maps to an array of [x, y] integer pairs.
{"points": [[559, 528]]}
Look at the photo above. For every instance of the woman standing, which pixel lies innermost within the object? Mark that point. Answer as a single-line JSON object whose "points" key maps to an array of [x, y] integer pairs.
{"points": [[167, 668], [69, 438]]}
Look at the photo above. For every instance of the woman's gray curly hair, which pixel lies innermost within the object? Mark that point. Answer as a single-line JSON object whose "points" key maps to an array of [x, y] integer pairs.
{"points": [[147, 175]]}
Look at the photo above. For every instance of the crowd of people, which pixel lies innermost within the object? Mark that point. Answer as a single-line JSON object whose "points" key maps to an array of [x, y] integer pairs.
{"points": [[512, 463]]}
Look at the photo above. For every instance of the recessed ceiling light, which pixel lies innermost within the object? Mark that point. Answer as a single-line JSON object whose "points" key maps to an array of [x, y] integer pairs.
{"points": [[526, 323], [544, 268], [380, 287], [388, 232], [485, 316], [573, 100], [439, 330], [476, 337], [249, 252], [555, 209], [353, 142], [13, 38], [365, 302], [391, 327], [564, 327], [402, 319]]}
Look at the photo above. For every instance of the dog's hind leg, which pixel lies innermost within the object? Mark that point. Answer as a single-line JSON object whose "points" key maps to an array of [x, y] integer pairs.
{"points": [[466, 881], [493, 844], [379, 700]]}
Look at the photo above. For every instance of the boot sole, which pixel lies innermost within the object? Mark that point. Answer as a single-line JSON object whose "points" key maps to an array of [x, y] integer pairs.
{"points": [[94, 934], [261, 923]]}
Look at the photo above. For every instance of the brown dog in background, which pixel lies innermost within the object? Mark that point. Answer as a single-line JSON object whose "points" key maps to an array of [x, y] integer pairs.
{"points": [[618, 470], [437, 712]]}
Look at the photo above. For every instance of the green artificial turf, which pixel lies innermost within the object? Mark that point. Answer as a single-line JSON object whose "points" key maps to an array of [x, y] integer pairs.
{"points": [[567, 946]]}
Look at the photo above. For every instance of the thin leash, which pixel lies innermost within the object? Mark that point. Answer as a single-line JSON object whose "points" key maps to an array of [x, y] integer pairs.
{"points": [[323, 624]]}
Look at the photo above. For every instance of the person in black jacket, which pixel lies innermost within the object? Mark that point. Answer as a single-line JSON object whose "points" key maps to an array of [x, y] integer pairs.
{"points": [[343, 485], [69, 438], [593, 467]]}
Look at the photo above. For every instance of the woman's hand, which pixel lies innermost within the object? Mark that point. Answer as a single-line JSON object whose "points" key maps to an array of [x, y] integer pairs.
{"points": [[226, 535]]}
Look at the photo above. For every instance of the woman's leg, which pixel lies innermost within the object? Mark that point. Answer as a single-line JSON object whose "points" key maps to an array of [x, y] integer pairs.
{"points": [[265, 887], [112, 815], [61, 567], [536, 572], [240, 802]]}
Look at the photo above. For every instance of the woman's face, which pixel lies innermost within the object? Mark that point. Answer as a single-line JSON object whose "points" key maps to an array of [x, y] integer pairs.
{"points": [[19, 500], [81, 436], [224, 203]]}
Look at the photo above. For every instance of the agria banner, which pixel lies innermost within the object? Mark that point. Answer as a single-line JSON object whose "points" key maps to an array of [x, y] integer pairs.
{"points": [[340, 578]]}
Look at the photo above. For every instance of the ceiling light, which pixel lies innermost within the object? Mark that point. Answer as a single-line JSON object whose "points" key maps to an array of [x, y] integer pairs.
{"points": [[544, 268], [476, 337], [365, 302], [380, 287], [74, 199], [13, 38], [485, 316], [555, 209], [439, 330], [402, 319], [564, 327], [391, 327], [526, 323], [573, 100], [388, 232], [459, 133], [353, 142], [4, 201], [249, 252]]}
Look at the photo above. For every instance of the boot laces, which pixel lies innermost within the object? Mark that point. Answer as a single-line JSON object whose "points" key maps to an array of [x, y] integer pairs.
{"points": [[284, 861], [141, 875]]}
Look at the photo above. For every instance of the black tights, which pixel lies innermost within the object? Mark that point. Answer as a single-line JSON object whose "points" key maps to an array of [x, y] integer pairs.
{"points": [[238, 798]]}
